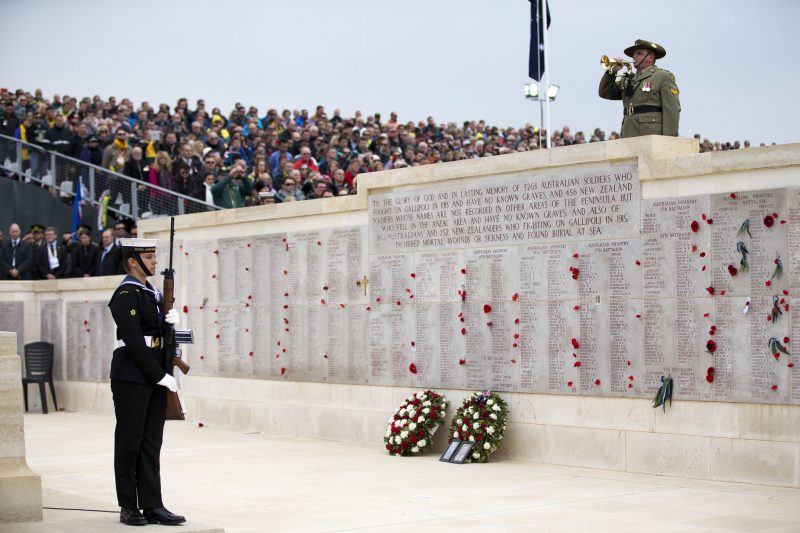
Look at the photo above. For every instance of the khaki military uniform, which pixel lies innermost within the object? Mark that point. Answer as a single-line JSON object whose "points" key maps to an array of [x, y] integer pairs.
{"points": [[653, 108]]}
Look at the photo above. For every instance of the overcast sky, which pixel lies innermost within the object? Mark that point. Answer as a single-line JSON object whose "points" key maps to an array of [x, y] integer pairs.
{"points": [[734, 60]]}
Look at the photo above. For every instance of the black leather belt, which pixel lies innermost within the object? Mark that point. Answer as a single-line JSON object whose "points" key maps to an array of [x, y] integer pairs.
{"points": [[642, 109]]}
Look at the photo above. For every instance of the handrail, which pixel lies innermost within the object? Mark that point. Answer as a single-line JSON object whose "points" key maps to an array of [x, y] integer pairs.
{"points": [[93, 170]]}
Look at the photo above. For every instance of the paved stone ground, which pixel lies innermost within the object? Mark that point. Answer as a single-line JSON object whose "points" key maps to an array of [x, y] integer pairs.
{"points": [[251, 483]]}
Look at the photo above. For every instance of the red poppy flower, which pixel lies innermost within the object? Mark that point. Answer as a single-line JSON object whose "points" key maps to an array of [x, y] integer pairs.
{"points": [[774, 387], [597, 382], [732, 270], [703, 269], [378, 299], [514, 345], [774, 215], [412, 368], [218, 335], [369, 308], [733, 196], [285, 306], [628, 362], [786, 340], [722, 292], [638, 263], [695, 226], [516, 321], [213, 276], [575, 343], [711, 346], [516, 336], [790, 365], [463, 270], [702, 254], [694, 248], [200, 424], [186, 253], [768, 283], [710, 378], [575, 273], [413, 275], [322, 301], [514, 361], [575, 255], [216, 252], [576, 308], [251, 354], [185, 309], [514, 297], [710, 370], [569, 384], [462, 362], [704, 216], [463, 331], [342, 306], [769, 318], [706, 315], [769, 221], [638, 316], [490, 324], [487, 308], [710, 290], [783, 222], [576, 364], [283, 371], [710, 221], [285, 320], [630, 378]]}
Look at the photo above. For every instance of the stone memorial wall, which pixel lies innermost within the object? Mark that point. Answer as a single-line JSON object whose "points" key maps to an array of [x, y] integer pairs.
{"points": [[560, 283]]}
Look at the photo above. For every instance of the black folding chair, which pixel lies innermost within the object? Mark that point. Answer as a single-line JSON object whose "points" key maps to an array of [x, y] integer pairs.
{"points": [[39, 369]]}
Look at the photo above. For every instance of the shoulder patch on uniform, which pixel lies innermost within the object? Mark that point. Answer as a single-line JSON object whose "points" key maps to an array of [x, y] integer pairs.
{"points": [[133, 312], [674, 91]]}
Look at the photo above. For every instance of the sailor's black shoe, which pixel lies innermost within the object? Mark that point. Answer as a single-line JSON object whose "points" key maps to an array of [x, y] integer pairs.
{"points": [[132, 517], [161, 516]]}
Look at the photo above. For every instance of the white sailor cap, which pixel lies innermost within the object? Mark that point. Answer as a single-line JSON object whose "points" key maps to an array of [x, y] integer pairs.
{"points": [[139, 245]]}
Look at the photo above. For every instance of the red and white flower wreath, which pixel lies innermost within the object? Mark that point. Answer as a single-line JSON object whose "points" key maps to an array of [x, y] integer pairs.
{"points": [[481, 420], [412, 427]]}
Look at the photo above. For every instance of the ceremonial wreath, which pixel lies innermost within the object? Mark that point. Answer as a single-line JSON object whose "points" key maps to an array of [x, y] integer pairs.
{"points": [[412, 427], [481, 419]]}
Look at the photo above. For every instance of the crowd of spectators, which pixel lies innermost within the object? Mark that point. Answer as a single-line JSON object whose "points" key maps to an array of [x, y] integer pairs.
{"points": [[43, 254], [250, 157]]}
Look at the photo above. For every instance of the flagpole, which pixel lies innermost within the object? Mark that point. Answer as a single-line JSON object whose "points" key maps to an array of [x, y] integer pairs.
{"points": [[546, 91]]}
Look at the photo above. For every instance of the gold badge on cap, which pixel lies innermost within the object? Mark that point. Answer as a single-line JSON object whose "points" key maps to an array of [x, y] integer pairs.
{"points": [[133, 312]]}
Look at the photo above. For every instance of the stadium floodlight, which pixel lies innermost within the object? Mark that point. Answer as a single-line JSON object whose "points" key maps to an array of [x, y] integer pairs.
{"points": [[532, 91]]}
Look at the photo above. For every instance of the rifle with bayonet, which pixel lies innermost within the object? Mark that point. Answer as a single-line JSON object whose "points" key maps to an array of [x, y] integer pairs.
{"points": [[173, 338]]}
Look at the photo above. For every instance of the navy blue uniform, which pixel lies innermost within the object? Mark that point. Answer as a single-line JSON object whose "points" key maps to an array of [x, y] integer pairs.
{"points": [[139, 403]]}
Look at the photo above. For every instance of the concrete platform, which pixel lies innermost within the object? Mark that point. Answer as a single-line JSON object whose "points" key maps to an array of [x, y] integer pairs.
{"points": [[249, 483]]}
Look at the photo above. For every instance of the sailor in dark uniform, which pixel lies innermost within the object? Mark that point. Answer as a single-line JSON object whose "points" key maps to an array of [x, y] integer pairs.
{"points": [[139, 381]]}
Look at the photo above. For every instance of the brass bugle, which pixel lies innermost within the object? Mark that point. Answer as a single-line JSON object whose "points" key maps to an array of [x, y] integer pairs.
{"points": [[609, 64]]}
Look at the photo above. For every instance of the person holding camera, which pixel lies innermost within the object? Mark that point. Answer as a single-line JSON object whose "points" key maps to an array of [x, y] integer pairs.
{"points": [[229, 191]]}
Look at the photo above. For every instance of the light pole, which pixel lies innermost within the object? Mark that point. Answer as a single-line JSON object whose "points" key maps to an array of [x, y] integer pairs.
{"points": [[532, 93]]}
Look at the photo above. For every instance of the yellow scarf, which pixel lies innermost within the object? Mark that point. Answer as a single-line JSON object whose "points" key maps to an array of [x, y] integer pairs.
{"points": [[122, 145]]}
